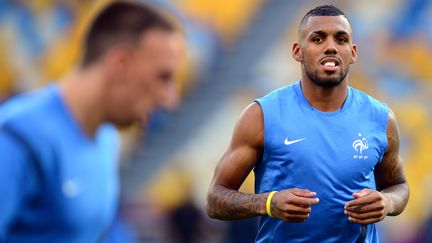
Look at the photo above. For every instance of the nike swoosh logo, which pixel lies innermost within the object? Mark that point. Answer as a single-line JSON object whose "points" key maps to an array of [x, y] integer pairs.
{"points": [[287, 142], [71, 188]]}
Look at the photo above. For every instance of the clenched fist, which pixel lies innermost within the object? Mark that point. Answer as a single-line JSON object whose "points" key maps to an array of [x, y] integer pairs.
{"points": [[369, 206], [293, 205]]}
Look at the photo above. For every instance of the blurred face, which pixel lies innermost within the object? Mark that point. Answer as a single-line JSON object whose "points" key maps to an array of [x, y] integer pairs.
{"points": [[325, 50], [146, 79]]}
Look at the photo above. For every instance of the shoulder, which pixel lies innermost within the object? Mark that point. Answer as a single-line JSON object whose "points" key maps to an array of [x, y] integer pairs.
{"points": [[392, 129], [371, 106], [277, 93], [362, 97], [252, 112], [251, 117], [27, 115], [250, 126], [28, 106]]}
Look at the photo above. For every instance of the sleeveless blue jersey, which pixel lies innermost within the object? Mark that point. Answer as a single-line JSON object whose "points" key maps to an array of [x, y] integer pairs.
{"points": [[331, 153]]}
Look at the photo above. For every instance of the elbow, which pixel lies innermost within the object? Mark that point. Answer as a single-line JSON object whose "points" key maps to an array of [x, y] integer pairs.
{"points": [[211, 213], [209, 206]]}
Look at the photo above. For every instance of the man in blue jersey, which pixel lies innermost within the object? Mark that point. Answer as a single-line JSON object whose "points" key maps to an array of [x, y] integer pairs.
{"points": [[325, 155], [59, 145]]}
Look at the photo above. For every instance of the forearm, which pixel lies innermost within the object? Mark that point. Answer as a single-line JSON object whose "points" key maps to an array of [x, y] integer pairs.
{"points": [[228, 204], [397, 196]]}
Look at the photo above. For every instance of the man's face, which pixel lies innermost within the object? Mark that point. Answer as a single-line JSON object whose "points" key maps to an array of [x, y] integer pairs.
{"points": [[325, 49], [147, 79]]}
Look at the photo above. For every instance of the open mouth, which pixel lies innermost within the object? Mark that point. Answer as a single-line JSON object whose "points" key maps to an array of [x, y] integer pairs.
{"points": [[330, 64]]}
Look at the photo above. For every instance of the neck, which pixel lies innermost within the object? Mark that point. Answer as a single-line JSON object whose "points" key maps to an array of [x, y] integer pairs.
{"points": [[81, 90], [325, 99]]}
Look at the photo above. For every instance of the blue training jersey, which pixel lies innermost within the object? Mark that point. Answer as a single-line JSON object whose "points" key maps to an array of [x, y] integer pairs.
{"points": [[330, 153], [56, 183]]}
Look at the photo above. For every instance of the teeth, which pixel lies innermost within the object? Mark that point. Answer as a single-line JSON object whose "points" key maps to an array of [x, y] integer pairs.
{"points": [[330, 64]]}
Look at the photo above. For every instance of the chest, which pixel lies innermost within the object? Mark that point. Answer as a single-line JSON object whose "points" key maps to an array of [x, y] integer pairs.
{"points": [[336, 147], [80, 185]]}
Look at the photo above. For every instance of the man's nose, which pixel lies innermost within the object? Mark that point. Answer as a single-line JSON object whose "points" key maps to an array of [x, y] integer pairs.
{"points": [[331, 48], [168, 97]]}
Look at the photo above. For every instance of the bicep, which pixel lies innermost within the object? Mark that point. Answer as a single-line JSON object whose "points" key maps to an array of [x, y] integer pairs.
{"points": [[244, 150], [390, 171]]}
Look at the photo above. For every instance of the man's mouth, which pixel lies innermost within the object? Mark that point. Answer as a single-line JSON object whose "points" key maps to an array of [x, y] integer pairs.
{"points": [[330, 64]]}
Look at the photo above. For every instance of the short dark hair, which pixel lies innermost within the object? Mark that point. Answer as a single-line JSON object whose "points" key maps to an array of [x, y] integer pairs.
{"points": [[322, 10], [120, 22]]}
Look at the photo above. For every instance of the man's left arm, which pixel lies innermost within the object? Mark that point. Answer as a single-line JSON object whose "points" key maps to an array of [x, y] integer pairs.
{"points": [[391, 196]]}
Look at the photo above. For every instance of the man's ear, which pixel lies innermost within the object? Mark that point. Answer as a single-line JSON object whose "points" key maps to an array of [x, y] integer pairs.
{"points": [[354, 54], [115, 64], [296, 52], [116, 59]]}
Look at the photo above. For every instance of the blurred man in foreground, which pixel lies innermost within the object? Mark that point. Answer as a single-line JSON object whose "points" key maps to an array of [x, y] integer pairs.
{"points": [[325, 155], [59, 146]]}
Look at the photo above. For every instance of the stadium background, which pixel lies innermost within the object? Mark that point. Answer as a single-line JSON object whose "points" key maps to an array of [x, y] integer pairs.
{"points": [[237, 50]]}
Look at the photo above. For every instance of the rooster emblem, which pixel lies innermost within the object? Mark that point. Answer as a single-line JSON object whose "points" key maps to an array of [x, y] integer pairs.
{"points": [[360, 144]]}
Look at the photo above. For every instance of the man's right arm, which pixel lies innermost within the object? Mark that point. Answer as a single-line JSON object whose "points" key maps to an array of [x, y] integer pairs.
{"points": [[225, 202]]}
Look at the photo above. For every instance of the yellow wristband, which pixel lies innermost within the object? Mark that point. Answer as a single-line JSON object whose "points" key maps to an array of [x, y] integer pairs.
{"points": [[268, 203]]}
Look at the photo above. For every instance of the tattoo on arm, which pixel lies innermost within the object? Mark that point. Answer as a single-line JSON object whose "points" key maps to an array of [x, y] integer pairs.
{"points": [[227, 204]]}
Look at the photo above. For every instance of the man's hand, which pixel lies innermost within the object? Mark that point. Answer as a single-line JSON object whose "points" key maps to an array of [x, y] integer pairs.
{"points": [[369, 206], [293, 205]]}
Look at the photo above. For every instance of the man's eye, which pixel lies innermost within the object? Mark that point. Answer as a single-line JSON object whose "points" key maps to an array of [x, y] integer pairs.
{"points": [[317, 39], [165, 76], [342, 40]]}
